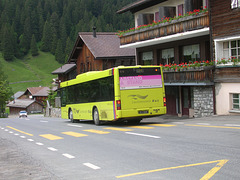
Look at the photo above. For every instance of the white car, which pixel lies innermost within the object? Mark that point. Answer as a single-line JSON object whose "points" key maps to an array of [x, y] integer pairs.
{"points": [[22, 114]]}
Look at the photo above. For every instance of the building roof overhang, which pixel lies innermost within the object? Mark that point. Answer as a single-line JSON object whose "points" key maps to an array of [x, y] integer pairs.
{"points": [[139, 5], [170, 38], [64, 69]]}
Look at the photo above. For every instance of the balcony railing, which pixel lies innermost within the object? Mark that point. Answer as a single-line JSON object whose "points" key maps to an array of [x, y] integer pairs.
{"points": [[201, 76], [181, 25]]}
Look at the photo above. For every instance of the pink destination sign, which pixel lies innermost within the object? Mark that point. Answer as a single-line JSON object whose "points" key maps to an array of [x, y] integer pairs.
{"points": [[140, 82]]}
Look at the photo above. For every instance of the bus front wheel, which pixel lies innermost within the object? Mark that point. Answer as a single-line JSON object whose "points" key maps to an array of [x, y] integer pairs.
{"points": [[96, 117]]}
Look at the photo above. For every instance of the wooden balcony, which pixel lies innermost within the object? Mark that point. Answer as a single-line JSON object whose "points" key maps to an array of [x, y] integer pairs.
{"points": [[181, 25], [199, 77]]}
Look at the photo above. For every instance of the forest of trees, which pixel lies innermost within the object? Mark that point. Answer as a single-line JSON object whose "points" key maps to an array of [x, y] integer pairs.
{"points": [[27, 26]]}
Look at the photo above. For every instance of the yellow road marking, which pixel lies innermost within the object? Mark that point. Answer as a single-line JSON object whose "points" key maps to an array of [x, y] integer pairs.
{"points": [[214, 170], [118, 129], [75, 134], [51, 136], [19, 131], [170, 168], [96, 131], [163, 125], [141, 127], [225, 127]]}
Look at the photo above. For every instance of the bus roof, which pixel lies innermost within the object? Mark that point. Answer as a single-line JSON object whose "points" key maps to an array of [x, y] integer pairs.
{"points": [[92, 75]]}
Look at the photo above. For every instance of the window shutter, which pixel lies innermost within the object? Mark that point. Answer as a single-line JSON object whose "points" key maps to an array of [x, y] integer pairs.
{"points": [[180, 9], [157, 16]]}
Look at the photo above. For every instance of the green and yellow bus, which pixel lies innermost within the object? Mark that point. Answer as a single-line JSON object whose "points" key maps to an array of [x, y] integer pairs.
{"points": [[121, 93]]}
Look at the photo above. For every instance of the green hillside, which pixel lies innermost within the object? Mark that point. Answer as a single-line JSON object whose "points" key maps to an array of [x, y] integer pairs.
{"points": [[30, 71]]}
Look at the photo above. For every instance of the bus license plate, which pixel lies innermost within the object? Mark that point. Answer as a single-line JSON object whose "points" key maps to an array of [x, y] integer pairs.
{"points": [[143, 112]]}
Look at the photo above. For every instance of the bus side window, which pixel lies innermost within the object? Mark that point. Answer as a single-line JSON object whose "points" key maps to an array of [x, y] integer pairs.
{"points": [[94, 91], [106, 89], [63, 97]]}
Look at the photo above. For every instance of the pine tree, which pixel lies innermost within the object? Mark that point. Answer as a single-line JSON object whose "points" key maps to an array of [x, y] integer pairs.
{"points": [[47, 37], [59, 55], [7, 43], [26, 37], [34, 48], [5, 91], [42, 18], [68, 49]]}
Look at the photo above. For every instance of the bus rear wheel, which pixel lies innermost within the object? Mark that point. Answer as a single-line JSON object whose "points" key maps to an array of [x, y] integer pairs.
{"points": [[71, 116], [96, 117]]}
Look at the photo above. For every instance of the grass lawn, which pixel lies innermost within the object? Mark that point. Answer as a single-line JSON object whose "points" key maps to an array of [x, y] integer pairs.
{"points": [[35, 70]]}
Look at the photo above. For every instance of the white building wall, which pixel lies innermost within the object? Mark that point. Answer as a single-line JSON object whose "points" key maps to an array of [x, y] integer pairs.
{"points": [[224, 93]]}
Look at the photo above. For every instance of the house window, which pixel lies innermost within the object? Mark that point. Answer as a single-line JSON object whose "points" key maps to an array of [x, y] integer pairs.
{"points": [[147, 58], [166, 11], [145, 19], [168, 56], [191, 53], [231, 49], [236, 101], [235, 4]]}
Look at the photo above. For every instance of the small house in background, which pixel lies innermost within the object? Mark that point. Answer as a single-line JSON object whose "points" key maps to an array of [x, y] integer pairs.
{"points": [[18, 94], [31, 106], [95, 52], [37, 93]]}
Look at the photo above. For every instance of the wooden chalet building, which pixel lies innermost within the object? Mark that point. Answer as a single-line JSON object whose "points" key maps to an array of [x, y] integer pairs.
{"points": [[30, 106], [186, 39], [95, 51], [38, 94], [225, 18]]}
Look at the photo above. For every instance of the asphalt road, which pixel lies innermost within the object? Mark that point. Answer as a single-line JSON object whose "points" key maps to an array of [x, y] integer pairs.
{"points": [[159, 148]]}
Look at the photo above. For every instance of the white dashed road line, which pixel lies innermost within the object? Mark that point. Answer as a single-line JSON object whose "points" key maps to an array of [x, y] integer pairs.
{"points": [[40, 144], [144, 135], [52, 149], [44, 121], [74, 125], [69, 156], [91, 166], [178, 122], [204, 124]]}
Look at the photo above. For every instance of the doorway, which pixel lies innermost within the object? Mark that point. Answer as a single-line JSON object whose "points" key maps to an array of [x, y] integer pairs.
{"points": [[187, 100]]}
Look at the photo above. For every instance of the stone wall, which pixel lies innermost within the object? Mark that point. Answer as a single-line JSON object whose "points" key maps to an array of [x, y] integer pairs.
{"points": [[203, 101], [53, 112]]}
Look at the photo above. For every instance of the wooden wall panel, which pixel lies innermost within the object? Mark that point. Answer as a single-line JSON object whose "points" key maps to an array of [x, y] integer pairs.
{"points": [[225, 21]]}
